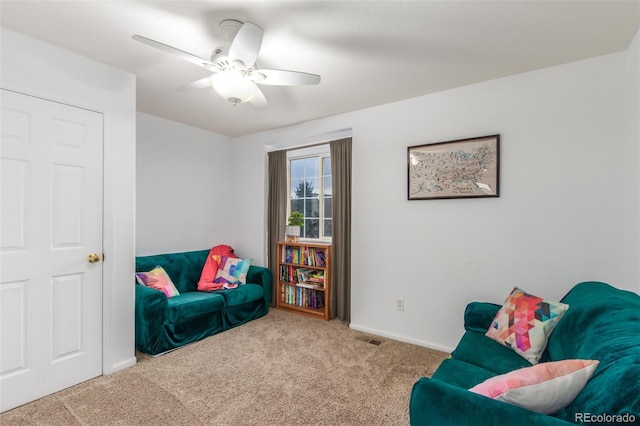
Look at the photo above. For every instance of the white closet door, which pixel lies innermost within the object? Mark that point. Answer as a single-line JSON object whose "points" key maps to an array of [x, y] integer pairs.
{"points": [[51, 161]]}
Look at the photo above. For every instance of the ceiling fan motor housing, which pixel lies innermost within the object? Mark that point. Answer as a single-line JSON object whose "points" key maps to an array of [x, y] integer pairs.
{"points": [[220, 57]]}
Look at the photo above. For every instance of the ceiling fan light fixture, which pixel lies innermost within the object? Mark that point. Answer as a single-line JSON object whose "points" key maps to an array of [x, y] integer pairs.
{"points": [[234, 86]]}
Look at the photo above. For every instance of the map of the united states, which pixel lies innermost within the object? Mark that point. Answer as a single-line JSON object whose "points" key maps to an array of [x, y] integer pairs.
{"points": [[445, 173]]}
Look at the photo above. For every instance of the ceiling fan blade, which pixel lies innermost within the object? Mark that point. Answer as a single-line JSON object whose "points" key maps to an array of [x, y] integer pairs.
{"points": [[259, 100], [177, 52], [286, 78], [198, 84], [246, 44]]}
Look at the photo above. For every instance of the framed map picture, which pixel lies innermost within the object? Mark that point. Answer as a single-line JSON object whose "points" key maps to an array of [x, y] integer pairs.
{"points": [[464, 168]]}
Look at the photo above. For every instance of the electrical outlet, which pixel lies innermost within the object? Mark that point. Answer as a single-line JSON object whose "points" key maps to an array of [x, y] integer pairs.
{"points": [[400, 304]]}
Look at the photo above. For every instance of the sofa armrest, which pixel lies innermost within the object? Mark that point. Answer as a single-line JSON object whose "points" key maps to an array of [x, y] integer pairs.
{"points": [[151, 314], [151, 303], [438, 403], [264, 277], [479, 315]]}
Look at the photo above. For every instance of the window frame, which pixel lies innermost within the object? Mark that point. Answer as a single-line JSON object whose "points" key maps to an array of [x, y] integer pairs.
{"points": [[321, 152]]}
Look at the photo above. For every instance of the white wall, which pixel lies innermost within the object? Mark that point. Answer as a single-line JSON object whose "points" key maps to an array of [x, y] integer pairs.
{"points": [[568, 209], [633, 112], [185, 187], [36, 68]]}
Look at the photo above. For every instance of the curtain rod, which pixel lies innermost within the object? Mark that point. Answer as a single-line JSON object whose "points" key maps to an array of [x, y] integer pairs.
{"points": [[315, 144], [313, 140]]}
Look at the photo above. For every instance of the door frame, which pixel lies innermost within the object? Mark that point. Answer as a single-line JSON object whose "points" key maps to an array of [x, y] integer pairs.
{"points": [[109, 282]]}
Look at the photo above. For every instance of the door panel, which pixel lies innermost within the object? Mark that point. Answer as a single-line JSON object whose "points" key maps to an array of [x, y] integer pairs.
{"points": [[51, 220], [14, 204]]}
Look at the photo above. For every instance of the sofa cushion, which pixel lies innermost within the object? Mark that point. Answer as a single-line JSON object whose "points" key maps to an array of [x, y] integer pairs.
{"points": [[525, 322], [459, 406], [435, 402], [460, 373], [193, 304], [477, 349], [544, 388], [242, 294]]}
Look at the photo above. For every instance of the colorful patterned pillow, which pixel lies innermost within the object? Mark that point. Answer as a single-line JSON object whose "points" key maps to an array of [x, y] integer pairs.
{"points": [[525, 322], [210, 268], [545, 387], [159, 279], [231, 271]]}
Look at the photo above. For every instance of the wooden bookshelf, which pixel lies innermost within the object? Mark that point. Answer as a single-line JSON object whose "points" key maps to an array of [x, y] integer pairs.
{"points": [[304, 278]]}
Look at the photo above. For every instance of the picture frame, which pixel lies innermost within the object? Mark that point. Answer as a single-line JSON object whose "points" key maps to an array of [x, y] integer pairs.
{"points": [[462, 168]]}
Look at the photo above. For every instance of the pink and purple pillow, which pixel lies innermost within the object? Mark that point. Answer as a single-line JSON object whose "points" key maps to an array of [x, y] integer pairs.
{"points": [[158, 279], [544, 388]]}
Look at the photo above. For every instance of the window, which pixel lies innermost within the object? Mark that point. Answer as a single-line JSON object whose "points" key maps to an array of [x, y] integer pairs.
{"points": [[310, 190]]}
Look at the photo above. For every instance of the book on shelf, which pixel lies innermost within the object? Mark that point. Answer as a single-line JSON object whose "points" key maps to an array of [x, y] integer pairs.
{"points": [[302, 274], [314, 256], [310, 256], [316, 276], [303, 297], [310, 285], [294, 275], [291, 254], [320, 258], [310, 275]]}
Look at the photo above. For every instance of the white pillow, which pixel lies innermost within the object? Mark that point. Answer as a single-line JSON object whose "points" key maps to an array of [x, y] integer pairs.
{"points": [[545, 387]]}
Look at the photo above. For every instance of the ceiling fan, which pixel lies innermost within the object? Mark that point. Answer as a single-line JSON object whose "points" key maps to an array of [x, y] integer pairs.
{"points": [[235, 74]]}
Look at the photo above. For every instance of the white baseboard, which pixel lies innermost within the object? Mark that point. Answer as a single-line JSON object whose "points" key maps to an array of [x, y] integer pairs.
{"points": [[129, 362], [401, 338]]}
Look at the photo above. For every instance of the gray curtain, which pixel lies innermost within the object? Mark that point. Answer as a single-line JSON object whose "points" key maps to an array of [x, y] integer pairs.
{"points": [[341, 233], [276, 210]]}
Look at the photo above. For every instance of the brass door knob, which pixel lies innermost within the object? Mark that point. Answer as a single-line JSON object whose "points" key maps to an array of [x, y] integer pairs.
{"points": [[93, 258]]}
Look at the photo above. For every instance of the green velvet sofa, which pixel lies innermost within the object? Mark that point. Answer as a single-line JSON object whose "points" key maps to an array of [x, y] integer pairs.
{"points": [[602, 323], [163, 324]]}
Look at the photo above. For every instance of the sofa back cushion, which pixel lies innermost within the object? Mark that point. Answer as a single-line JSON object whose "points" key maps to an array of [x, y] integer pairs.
{"points": [[183, 268], [602, 324]]}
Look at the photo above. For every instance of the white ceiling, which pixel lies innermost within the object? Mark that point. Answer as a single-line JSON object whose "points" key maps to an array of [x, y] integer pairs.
{"points": [[368, 52]]}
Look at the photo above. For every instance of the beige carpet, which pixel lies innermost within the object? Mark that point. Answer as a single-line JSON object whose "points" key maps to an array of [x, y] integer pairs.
{"points": [[282, 369]]}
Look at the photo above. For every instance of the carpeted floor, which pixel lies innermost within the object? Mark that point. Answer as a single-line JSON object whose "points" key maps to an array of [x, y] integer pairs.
{"points": [[282, 369]]}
